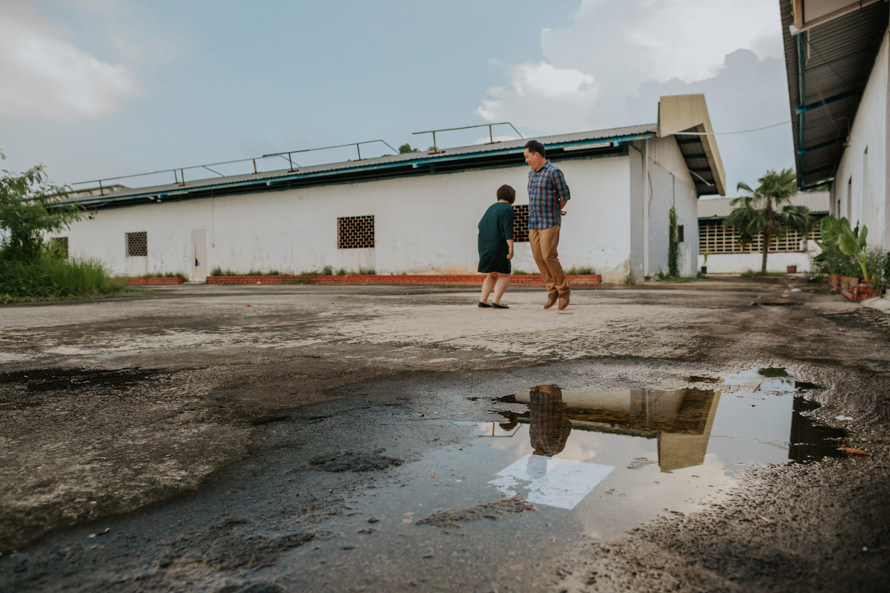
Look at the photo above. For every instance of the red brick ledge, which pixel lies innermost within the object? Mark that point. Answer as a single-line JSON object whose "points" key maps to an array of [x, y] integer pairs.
{"points": [[471, 279]]}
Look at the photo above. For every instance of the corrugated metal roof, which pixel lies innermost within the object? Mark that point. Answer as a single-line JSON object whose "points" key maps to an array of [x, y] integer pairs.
{"points": [[563, 146], [817, 201], [827, 68]]}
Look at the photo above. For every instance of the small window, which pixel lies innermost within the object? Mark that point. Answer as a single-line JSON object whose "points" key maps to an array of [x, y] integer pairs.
{"points": [[59, 246], [355, 232], [679, 233], [137, 244], [520, 223]]}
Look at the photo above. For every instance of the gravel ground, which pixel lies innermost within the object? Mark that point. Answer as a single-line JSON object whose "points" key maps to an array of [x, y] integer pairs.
{"points": [[140, 421]]}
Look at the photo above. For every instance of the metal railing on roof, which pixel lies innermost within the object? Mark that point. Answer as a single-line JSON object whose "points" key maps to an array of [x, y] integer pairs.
{"points": [[489, 126], [179, 172]]}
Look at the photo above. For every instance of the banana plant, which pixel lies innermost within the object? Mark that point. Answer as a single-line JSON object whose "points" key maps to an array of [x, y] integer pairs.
{"points": [[852, 242]]}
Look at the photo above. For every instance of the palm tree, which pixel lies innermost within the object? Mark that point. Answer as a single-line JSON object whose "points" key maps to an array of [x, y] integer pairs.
{"points": [[767, 212]]}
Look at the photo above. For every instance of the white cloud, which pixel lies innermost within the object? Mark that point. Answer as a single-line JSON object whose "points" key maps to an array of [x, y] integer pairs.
{"points": [[568, 95], [48, 77], [687, 39], [611, 48]]}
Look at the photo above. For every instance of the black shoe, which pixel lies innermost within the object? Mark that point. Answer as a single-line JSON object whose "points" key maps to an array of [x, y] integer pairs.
{"points": [[499, 306], [484, 305]]}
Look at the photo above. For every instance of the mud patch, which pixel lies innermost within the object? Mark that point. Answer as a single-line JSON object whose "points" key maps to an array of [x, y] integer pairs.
{"points": [[488, 510], [252, 588], [355, 462], [27, 389], [233, 544], [76, 378]]}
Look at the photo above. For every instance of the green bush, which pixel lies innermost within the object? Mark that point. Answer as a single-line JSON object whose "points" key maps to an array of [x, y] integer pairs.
{"points": [[879, 262], [53, 278]]}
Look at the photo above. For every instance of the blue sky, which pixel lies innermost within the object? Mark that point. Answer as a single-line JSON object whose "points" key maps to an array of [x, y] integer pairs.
{"points": [[104, 88]]}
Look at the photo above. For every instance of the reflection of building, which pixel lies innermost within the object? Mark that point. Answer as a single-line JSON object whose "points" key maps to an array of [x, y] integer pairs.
{"points": [[809, 440], [680, 420]]}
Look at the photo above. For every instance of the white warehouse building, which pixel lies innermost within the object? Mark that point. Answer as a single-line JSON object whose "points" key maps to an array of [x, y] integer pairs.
{"points": [[417, 213]]}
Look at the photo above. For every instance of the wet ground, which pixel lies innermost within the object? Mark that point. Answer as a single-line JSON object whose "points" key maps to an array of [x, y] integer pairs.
{"points": [[719, 436]]}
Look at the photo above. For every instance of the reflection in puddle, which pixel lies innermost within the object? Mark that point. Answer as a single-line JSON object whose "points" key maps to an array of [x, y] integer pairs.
{"points": [[680, 420], [689, 433], [604, 462], [560, 464]]}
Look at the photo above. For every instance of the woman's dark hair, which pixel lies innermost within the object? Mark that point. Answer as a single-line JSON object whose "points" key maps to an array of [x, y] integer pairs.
{"points": [[507, 193], [535, 146]]}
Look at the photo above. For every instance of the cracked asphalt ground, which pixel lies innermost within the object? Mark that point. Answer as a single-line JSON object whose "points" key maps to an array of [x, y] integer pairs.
{"points": [[229, 439]]}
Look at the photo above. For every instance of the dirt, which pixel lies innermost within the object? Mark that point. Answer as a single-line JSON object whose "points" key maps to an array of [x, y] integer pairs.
{"points": [[489, 510], [206, 438]]}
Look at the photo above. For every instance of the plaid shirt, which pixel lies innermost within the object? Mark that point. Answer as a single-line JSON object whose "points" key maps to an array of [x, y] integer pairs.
{"points": [[549, 426], [546, 189]]}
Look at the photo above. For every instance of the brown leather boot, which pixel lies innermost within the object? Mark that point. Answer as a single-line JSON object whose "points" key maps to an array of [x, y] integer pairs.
{"points": [[551, 299], [564, 299]]}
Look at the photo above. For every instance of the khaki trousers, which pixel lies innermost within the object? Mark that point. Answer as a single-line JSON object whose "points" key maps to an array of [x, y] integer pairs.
{"points": [[544, 243]]}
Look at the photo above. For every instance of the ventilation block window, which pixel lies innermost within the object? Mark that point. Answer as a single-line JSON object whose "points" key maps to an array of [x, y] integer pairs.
{"points": [[713, 237], [355, 232], [137, 244], [520, 223], [59, 246]]}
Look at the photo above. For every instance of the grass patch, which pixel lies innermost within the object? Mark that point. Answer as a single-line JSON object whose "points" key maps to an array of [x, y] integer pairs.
{"points": [[753, 274], [665, 277], [54, 279], [580, 271]]}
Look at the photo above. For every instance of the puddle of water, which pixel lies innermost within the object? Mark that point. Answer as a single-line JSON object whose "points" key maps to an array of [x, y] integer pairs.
{"points": [[596, 463]]}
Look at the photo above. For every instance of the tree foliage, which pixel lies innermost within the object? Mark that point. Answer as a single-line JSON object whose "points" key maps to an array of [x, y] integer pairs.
{"points": [[29, 208], [766, 211]]}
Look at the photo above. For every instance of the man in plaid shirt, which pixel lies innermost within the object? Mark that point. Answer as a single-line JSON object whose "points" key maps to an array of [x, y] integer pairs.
{"points": [[547, 196]]}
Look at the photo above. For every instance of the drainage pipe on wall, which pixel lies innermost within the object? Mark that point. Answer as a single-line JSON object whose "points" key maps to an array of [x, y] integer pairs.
{"points": [[645, 189]]}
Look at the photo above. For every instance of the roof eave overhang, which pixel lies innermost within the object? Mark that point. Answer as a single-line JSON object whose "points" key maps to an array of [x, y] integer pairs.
{"points": [[686, 118], [828, 63]]}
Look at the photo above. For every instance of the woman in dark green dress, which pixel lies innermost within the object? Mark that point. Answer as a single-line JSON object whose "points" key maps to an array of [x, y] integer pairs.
{"points": [[496, 247]]}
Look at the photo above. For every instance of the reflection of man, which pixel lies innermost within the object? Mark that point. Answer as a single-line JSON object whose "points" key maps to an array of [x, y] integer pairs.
{"points": [[549, 426]]}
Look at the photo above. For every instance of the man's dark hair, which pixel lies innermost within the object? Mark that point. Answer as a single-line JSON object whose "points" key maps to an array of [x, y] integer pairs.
{"points": [[507, 193], [535, 146]]}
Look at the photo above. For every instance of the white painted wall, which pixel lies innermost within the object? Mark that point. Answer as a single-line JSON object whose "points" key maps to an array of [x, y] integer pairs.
{"points": [[423, 224], [861, 185], [668, 184], [596, 230], [736, 263]]}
